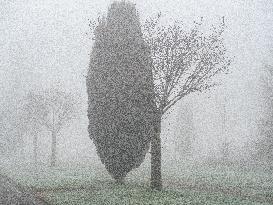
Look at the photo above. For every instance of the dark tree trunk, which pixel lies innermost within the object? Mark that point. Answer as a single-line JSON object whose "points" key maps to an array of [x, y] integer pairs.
{"points": [[53, 150], [120, 180], [156, 178], [35, 148], [22, 148]]}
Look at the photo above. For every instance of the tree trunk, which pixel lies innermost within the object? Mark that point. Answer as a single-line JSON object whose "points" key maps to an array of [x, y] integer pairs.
{"points": [[120, 180], [156, 178], [53, 149], [22, 149], [35, 148]]}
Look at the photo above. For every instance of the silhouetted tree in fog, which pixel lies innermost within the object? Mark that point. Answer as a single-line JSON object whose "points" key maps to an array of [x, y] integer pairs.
{"points": [[265, 144], [121, 104], [50, 109], [32, 128], [183, 63], [225, 147], [185, 131], [12, 129], [121, 94]]}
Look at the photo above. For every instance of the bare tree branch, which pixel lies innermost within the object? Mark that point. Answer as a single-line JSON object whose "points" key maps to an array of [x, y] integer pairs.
{"points": [[40, 108], [184, 61]]}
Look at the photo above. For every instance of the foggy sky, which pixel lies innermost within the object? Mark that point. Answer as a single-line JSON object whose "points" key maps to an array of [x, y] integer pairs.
{"points": [[44, 43]]}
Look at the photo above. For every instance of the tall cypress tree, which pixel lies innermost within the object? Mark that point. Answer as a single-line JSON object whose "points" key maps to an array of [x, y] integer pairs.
{"points": [[121, 104]]}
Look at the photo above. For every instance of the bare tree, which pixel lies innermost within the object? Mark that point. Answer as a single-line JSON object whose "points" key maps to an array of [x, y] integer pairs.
{"points": [[12, 129], [53, 110], [183, 62], [32, 128], [264, 145], [185, 130]]}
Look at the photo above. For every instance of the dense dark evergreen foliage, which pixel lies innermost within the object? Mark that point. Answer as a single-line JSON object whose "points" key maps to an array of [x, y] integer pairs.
{"points": [[121, 105]]}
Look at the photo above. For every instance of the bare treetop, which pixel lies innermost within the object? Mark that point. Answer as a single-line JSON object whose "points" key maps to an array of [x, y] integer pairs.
{"points": [[184, 61], [51, 108]]}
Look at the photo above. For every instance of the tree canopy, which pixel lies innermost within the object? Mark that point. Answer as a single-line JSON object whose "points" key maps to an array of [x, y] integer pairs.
{"points": [[120, 90]]}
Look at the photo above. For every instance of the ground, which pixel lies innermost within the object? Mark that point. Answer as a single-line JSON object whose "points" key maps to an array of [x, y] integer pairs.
{"points": [[12, 194], [82, 185]]}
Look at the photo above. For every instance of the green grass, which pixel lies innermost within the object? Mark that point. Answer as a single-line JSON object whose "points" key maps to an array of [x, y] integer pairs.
{"points": [[188, 185], [63, 176], [129, 194]]}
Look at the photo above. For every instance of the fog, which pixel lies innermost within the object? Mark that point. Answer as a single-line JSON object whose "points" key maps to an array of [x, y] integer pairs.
{"points": [[47, 44]]}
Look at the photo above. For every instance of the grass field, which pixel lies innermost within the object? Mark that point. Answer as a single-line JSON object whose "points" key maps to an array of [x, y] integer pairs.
{"points": [[70, 184]]}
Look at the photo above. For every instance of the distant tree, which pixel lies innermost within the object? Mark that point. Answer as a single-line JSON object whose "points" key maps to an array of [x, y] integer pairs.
{"points": [[50, 109], [265, 143], [226, 151], [4, 139], [14, 125], [183, 62], [225, 147], [184, 131], [32, 128], [12, 129], [121, 104]]}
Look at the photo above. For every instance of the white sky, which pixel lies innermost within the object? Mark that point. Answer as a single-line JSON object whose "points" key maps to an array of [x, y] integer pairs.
{"points": [[44, 42]]}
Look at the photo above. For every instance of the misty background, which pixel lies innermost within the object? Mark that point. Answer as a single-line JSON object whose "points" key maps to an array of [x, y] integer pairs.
{"points": [[47, 44]]}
